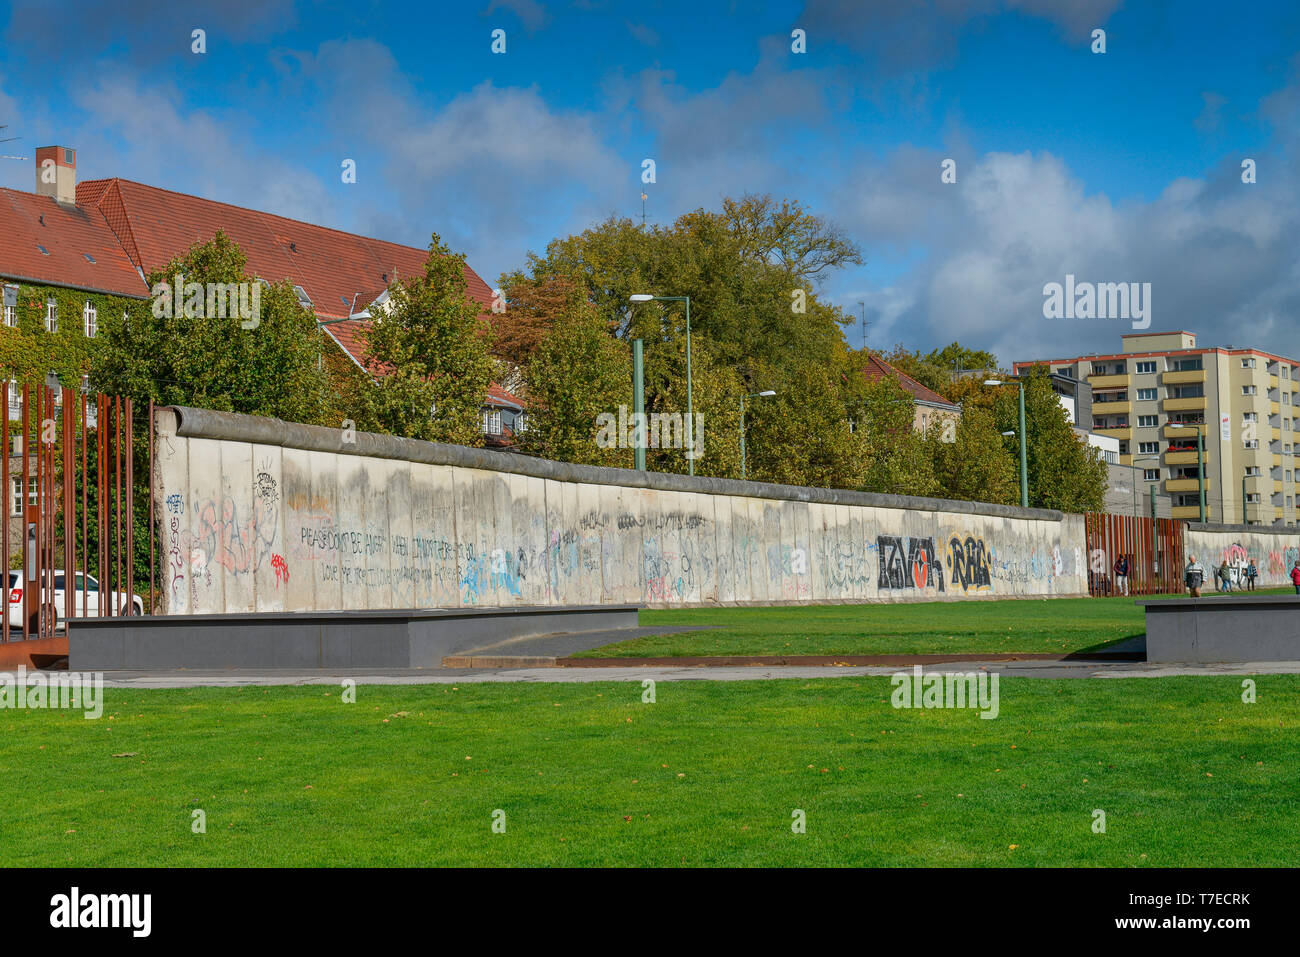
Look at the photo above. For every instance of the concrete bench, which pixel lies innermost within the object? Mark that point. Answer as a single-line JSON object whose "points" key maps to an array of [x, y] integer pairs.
{"points": [[1254, 628]]}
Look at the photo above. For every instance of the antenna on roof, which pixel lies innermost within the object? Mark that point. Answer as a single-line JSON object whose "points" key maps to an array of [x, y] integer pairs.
{"points": [[10, 139]]}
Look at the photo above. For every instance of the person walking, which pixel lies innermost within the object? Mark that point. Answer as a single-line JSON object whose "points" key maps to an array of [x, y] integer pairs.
{"points": [[1121, 574], [1252, 572], [1225, 577], [1295, 577], [1194, 576]]}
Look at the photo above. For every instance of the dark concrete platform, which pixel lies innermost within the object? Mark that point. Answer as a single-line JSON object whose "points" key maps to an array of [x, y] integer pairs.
{"points": [[1240, 628], [409, 638]]}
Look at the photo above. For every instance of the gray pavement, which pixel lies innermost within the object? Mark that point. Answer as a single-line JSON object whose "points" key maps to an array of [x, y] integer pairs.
{"points": [[457, 676]]}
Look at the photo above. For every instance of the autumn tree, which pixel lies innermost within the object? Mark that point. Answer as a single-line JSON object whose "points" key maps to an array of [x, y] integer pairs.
{"points": [[428, 352]]}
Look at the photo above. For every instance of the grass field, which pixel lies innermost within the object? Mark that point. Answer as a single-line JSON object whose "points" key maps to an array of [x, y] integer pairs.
{"points": [[1050, 625], [587, 774]]}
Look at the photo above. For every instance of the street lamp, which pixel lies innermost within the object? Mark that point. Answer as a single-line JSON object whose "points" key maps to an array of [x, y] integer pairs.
{"points": [[1155, 547], [750, 395], [690, 417], [1024, 467]]}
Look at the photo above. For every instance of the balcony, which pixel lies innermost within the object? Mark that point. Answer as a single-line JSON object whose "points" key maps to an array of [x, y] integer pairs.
{"points": [[1194, 403], [1108, 382], [1185, 458], [1191, 512], [1119, 432], [1274, 408], [1184, 484], [1272, 382], [1186, 377], [1180, 432], [1111, 408]]}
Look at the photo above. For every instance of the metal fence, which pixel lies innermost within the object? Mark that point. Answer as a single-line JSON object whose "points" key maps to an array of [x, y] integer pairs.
{"points": [[1153, 550], [68, 472]]}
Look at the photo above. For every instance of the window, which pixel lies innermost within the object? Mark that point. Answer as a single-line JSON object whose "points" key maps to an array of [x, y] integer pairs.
{"points": [[11, 305], [1098, 368], [1151, 475], [1250, 417], [90, 319], [16, 495], [1252, 470], [1188, 391], [1148, 448], [1145, 368], [1188, 365], [1146, 395], [1146, 421], [1248, 390], [1252, 498], [1250, 443], [492, 421], [521, 423], [1248, 363], [51, 316]]}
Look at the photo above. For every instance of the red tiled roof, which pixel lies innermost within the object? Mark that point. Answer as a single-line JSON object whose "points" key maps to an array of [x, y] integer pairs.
{"points": [[498, 396], [335, 269], [69, 234], [877, 369]]}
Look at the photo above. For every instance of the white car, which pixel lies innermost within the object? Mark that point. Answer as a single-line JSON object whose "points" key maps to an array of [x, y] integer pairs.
{"points": [[89, 588]]}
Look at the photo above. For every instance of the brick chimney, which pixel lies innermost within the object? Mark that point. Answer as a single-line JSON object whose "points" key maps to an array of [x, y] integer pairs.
{"points": [[56, 173]]}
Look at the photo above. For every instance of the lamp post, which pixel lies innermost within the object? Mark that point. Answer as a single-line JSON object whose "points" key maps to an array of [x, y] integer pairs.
{"points": [[1200, 467], [749, 395], [1024, 458], [690, 417], [1155, 558]]}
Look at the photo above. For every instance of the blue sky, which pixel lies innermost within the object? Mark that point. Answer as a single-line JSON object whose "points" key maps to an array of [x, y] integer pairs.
{"points": [[1122, 166]]}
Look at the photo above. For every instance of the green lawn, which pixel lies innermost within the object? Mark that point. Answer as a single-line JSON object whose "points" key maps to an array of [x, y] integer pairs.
{"points": [[587, 774], [1049, 625]]}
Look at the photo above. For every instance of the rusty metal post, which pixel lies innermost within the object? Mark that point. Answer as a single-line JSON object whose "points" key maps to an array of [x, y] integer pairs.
{"points": [[26, 511], [8, 485], [40, 511], [69, 510], [117, 497], [101, 494], [130, 507], [152, 531], [85, 545]]}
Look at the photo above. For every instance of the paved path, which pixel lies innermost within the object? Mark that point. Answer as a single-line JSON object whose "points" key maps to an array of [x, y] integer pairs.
{"points": [[456, 676]]}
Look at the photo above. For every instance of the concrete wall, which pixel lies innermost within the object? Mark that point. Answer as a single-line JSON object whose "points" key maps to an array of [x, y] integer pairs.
{"points": [[262, 515], [1274, 550]]}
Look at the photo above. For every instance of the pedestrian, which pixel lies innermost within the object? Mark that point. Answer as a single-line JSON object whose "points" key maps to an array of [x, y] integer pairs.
{"points": [[1295, 577], [1121, 574], [1194, 576], [1251, 574], [1225, 577]]}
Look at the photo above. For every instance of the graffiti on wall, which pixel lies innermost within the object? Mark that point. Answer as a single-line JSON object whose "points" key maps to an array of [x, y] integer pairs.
{"points": [[968, 562], [908, 563]]}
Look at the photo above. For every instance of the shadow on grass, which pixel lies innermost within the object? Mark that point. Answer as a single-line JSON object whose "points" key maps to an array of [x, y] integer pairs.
{"points": [[1128, 648]]}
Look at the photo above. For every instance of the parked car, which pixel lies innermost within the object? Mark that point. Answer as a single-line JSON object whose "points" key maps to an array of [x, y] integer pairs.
{"points": [[89, 589]]}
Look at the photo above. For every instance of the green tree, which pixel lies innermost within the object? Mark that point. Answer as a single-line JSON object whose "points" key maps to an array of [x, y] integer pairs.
{"points": [[575, 374], [428, 352], [1065, 473], [970, 460], [194, 357]]}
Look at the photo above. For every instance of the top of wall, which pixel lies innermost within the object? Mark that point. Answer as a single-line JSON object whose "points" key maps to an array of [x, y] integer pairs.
{"points": [[188, 422], [1247, 529]]}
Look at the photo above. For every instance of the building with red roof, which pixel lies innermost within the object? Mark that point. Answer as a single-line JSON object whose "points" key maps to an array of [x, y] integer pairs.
{"points": [[106, 235], [928, 404]]}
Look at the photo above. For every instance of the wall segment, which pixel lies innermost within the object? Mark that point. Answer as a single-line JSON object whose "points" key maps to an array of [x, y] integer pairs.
{"points": [[262, 515]]}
